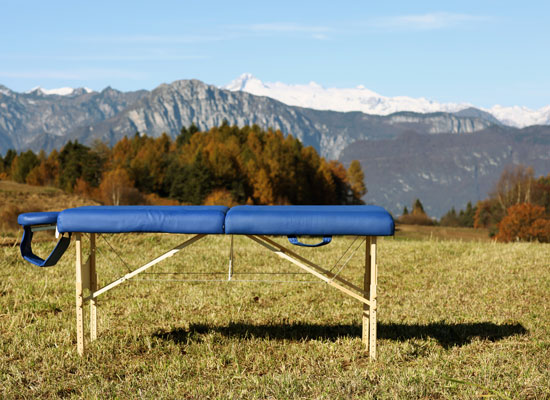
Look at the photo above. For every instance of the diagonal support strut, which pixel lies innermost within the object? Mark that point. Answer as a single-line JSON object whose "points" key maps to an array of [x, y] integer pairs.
{"points": [[145, 267], [310, 267]]}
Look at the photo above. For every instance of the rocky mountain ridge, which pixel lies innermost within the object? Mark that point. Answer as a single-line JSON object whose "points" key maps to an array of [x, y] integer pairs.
{"points": [[37, 121], [40, 121]]}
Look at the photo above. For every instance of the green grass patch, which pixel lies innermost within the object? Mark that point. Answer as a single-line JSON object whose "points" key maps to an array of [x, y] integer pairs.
{"points": [[457, 320]]}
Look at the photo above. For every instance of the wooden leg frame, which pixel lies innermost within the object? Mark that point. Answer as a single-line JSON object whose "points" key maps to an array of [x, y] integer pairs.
{"points": [[367, 295], [86, 280]]}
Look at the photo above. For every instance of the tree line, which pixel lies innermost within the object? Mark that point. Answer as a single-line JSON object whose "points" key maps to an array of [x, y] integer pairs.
{"points": [[518, 208], [225, 165]]}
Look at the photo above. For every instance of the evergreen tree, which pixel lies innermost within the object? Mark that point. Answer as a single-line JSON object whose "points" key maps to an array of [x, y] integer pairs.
{"points": [[22, 165], [450, 218], [8, 159], [466, 217], [192, 183], [184, 137], [193, 129], [418, 208], [75, 161]]}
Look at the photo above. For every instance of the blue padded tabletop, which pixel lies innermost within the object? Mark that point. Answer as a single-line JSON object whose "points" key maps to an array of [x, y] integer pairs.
{"points": [[119, 219], [37, 218], [309, 220]]}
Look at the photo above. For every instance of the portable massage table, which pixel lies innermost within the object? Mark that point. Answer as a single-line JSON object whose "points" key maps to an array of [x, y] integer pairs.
{"points": [[255, 222]]}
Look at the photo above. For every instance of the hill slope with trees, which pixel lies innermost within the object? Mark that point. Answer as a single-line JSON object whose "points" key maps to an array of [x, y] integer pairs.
{"points": [[225, 165]]}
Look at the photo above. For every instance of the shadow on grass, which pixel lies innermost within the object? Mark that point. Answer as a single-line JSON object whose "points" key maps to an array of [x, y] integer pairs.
{"points": [[447, 334]]}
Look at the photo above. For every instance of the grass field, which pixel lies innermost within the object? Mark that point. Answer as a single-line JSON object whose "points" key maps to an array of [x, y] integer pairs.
{"points": [[422, 232], [457, 320]]}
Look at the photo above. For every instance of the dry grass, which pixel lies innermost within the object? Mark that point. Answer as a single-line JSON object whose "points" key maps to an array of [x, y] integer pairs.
{"points": [[17, 198], [456, 320], [419, 232]]}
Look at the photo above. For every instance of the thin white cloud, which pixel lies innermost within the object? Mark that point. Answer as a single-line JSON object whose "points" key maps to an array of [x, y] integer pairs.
{"points": [[155, 39], [289, 28], [84, 74], [425, 22], [319, 36]]}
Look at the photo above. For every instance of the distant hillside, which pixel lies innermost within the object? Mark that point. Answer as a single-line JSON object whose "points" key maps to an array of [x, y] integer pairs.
{"points": [[445, 170]]}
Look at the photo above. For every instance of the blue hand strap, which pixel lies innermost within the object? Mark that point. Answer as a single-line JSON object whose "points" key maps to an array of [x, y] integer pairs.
{"points": [[294, 240], [53, 258]]}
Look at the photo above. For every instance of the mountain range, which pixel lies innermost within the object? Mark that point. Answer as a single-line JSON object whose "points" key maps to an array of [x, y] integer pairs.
{"points": [[362, 99], [443, 158], [37, 120]]}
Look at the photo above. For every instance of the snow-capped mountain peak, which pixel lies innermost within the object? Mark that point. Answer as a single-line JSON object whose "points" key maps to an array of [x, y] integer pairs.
{"points": [[521, 116], [62, 91], [318, 97], [244, 82], [362, 99]]}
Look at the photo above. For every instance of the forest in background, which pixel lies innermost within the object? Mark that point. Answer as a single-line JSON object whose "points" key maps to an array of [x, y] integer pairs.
{"points": [[226, 165]]}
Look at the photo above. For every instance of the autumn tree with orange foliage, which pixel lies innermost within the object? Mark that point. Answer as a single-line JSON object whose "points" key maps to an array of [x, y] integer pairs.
{"points": [[356, 179], [516, 186], [526, 222], [116, 188], [256, 166], [225, 164], [46, 172]]}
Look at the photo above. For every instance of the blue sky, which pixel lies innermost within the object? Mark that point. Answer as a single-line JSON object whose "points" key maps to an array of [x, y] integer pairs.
{"points": [[482, 52]]}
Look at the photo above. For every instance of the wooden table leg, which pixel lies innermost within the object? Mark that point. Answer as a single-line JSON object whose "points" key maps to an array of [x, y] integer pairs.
{"points": [[369, 285], [93, 288], [79, 296]]}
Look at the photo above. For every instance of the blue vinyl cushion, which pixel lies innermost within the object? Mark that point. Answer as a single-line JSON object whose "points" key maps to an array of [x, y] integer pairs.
{"points": [[119, 219], [37, 218], [241, 220], [309, 220]]}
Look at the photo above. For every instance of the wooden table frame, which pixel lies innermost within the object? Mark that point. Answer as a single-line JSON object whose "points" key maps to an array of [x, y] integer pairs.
{"points": [[86, 279]]}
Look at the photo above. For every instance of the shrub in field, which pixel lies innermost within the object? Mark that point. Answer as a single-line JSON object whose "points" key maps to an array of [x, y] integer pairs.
{"points": [[541, 230], [527, 222]]}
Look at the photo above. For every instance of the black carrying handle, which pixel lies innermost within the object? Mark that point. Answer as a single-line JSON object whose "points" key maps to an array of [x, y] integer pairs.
{"points": [[294, 240], [52, 259]]}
